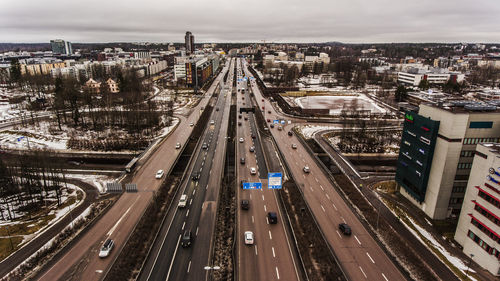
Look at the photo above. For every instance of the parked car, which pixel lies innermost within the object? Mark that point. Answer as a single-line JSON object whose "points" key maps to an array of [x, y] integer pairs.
{"points": [[183, 201], [249, 238], [253, 171], [345, 229], [106, 248], [306, 169], [159, 174], [245, 204], [187, 238]]}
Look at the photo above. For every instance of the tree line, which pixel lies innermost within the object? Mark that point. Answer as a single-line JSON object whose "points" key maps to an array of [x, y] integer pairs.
{"points": [[30, 182]]}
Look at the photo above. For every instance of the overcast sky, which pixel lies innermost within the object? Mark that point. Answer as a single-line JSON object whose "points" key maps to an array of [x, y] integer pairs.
{"points": [[349, 21]]}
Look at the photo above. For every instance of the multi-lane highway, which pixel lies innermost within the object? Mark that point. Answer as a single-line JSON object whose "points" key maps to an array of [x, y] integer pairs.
{"points": [[360, 256], [168, 260], [270, 257], [81, 262]]}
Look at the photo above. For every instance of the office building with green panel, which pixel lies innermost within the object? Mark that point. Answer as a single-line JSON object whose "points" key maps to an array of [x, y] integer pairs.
{"points": [[415, 154]]}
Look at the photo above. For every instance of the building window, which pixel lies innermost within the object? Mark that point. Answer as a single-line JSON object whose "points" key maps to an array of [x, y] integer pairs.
{"points": [[481, 243], [411, 133], [419, 174], [458, 189], [407, 143], [484, 229], [481, 125], [467, 153], [487, 214], [456, 200], [493, 201], [425, 140], [464, 165]]}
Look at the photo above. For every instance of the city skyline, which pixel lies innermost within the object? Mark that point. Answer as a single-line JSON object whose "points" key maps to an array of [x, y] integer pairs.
{"points": [[383, 21]]}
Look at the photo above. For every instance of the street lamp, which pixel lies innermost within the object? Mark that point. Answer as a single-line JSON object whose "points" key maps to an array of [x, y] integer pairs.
{"points": [[468, 266], [209, 268]]}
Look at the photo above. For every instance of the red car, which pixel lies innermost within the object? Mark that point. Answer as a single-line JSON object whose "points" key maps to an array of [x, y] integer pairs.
{"points": [[268, 120]]}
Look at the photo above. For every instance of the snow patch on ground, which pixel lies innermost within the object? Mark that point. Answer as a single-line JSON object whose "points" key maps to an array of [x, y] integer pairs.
{"points": [[99, 181], [309, 130]]}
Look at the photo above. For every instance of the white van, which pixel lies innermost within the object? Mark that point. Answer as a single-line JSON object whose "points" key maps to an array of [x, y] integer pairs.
{"points": [[183, 201]]}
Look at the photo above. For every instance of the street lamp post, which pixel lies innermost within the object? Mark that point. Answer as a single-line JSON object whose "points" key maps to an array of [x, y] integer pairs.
{"points": [[468, 266]]}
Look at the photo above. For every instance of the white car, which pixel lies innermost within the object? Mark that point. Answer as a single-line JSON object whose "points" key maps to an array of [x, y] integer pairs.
{"points": [[183, 201], [241, 140], [306, 169], [178, 145], [191, 124], [159, 174], [294, 146], [212, 122], [106, 248], [253, 171], [249, 238]]}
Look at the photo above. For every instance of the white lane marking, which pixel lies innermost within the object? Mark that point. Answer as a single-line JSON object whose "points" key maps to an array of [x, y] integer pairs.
{"points": [[256, 250], [206, 187], [277, 273], [321, 187], [201, 169], [316, 179], [110, 232], [304, 175], [190, 201], [189, 266], [370, 257], [296, 163], [274, 254], [203, 163], [270, 236], [334, 206], [250, 196], [267, 221], [265, 208], [359, 242], [323, 208], [183, 224], [197, 231], [311, 188], [327, 196], [385, 277], [253, 220], [343, 219], [187, 213], [362, 271], [262, 197], [194, 191], [338, 233], [172, 262]]}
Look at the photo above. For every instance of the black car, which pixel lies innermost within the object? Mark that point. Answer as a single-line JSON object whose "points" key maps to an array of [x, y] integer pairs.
{"points": [[187, 239], [272, 125], [242, 160], [196, 176], [217, 109], [239, 116], [245, 204], [246, 118], [345, 229], [272, 217], [242, 182], [253, 136], [290, 133]]}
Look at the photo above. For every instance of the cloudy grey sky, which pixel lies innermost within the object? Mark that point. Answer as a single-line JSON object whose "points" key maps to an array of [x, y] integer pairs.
{"points": [[350, 21]]}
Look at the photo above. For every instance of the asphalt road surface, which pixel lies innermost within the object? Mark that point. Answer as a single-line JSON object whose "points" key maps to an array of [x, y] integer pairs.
{"points": [[169, 260], [270, 258], [360, 256]]}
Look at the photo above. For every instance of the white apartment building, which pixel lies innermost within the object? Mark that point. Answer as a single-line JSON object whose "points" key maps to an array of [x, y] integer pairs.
{"points": [[179, 71], [415, 76], [478, 229]]}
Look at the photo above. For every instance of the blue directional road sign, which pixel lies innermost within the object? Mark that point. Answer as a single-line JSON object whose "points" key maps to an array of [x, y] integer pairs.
{"points": [[252, 185], [274, 180], [276, 121], [283, 122]]}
